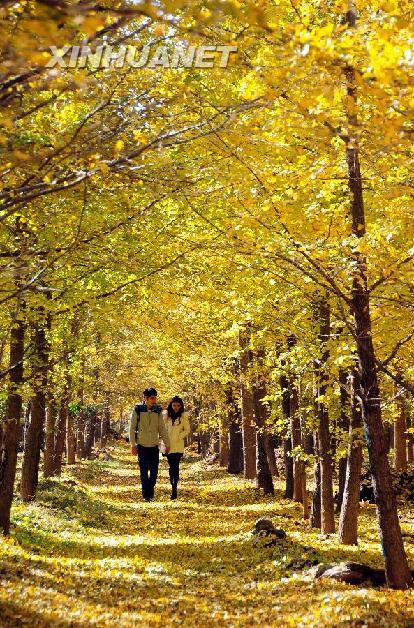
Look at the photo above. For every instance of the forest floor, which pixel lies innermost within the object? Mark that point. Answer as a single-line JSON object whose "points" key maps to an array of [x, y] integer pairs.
{"points": [[90, 552]]}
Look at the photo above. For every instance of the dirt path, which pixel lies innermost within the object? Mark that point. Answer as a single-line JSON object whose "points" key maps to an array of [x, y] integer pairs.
{"points": [[90, 552]]}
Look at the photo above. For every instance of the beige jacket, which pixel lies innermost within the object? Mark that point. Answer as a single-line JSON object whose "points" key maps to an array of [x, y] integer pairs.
{"points": [[177, 432], [151, 427]]}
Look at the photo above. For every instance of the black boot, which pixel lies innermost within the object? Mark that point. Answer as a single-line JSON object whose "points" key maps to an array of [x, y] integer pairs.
{"points": [[174, 492]]}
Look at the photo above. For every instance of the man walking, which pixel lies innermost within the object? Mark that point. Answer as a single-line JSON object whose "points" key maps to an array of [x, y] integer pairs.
{"points": [[146, 427]]}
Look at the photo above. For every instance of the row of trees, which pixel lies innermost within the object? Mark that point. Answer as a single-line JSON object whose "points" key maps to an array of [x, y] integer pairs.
{"points": [[310, 419], [238, 235]]}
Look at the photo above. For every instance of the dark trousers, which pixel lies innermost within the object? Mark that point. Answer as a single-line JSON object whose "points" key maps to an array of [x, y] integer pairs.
{"points": [[174, 470], [148, 460]]}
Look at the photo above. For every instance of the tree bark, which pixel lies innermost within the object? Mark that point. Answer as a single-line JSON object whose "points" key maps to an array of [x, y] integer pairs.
{"points": [[264, 476], [315, 519], [287, 441], [324, 436], [60, 433], [90, 430], [348, 520], [271, 457], [295, 431], [224, 445], [48, 466], [410, 439], [343, 425], [396, 566], [11, 425], [305, 500], [400, 441], [249, 429], [70, 437], [203, 441], [249, 437], [80, 434], [80, 418], [105, 423], [295, 426], [97, 429], [215, 442], [31, 459], [26, 423], [235, 463], [389, 436]]}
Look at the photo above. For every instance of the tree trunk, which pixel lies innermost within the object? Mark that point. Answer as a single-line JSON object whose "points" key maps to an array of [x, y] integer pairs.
{"points": [[235, 463], [264, 476], [81, 419], [324, 436], [90, 430], [348, 521], [410, 439], [305, 500], [70, 437], [288, 460], [11, 425], [400, 442], [224, 445], [295, 431], [203, 440], [343, 425], [287, 441], [26, 424], [97, 430], [249, 429], [105, 423], [48, 465], [31, 459], [315, 519], [60, 434], [396, 566], [295, 423], [249, 436], [389, 437], [271, 457], [190, 437], [215, 442], [80, 434]]}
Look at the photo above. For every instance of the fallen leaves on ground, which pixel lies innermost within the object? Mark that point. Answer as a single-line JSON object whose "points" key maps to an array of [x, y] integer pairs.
{"points": [[90, 552]]}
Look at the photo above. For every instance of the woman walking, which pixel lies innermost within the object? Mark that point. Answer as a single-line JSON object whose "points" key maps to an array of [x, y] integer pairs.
{"points": [[178, 428]]}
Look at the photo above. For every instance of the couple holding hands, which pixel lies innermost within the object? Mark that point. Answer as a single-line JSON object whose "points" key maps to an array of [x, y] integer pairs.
{"points": [[149, 424]]}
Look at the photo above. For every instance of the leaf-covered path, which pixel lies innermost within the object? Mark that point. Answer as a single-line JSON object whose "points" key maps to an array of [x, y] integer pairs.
{"points": [[91, 552]]}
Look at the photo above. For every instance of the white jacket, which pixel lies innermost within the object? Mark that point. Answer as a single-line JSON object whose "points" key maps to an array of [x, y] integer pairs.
{"points": [[177, 432]]}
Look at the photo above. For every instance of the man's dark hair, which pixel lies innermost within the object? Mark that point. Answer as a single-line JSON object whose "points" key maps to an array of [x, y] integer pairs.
{"points": [[150, 392]]}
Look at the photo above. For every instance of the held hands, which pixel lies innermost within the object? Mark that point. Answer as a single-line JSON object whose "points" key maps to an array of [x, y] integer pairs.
{"points": [[134, 450], [163, 448]]}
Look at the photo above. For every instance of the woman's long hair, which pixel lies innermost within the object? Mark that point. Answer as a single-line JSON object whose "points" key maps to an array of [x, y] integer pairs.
{"points": [[170, 412]]}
